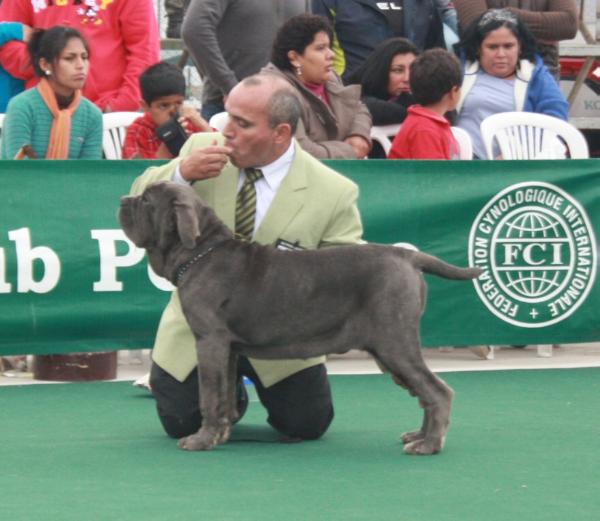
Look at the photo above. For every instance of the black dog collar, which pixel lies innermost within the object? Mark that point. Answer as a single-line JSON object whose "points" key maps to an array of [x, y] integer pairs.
{"points": [[187, 265]]}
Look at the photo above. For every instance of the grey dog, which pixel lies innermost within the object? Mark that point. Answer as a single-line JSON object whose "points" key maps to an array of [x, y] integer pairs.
{"points": [[255, 300]]}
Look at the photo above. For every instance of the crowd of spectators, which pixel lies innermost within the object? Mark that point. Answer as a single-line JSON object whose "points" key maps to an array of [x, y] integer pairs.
{"points": [[349, 61]]}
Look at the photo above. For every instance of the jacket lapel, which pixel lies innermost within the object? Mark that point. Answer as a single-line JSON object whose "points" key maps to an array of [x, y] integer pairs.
{"points": [[287, 202], [223, 204]]}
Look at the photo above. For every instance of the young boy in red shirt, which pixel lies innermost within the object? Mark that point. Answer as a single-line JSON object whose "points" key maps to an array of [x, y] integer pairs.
{"points": [[435, 80], [163, 92]]}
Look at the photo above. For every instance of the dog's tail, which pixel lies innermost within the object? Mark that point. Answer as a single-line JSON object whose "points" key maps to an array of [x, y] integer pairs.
{"points": [[434, 266]]}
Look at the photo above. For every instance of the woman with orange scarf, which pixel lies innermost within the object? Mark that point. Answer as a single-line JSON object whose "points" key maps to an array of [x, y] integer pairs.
{"points": [[53, 120]]}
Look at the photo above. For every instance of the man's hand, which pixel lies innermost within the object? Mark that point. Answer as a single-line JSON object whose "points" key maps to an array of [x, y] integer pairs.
{"points": [[204, 163], [360, 145]]}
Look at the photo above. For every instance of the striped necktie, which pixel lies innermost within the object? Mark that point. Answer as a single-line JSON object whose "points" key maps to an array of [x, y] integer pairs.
{"points": [[245, 206]]}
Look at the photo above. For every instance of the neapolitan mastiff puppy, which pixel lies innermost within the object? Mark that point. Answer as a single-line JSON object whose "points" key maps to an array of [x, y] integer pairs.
{"points": [[255, 300]]}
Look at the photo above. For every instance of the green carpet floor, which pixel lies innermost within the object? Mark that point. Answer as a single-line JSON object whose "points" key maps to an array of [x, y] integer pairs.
{"points": [[523, 445]]}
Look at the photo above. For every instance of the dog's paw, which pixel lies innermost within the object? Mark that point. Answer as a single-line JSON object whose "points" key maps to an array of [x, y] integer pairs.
{"points": [[202, 440], [423, 447], [409, 437]]}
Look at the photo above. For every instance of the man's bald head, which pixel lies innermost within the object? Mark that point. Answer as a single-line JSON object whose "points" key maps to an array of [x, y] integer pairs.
{"points": [[282, 104]]}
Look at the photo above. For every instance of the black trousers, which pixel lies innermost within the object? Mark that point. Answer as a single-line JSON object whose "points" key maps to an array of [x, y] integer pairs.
{"points": [[299, 407]]}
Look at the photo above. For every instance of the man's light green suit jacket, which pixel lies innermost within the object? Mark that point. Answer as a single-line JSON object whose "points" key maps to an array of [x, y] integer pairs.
{"points": [[314, 207]]}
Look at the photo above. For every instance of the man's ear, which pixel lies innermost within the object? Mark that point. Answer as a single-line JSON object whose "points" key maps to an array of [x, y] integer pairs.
{"points": [[187, 224], [145, 106], [282, 133]]}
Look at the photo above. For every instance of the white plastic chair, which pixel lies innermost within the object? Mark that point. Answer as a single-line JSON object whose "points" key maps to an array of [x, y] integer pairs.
{"points": [[219, 120], [527, 135], [465, 145], [114, 129], [384, 135]]}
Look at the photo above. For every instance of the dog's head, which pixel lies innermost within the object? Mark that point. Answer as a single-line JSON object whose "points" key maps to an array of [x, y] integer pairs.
{"points": [[166, 219]]}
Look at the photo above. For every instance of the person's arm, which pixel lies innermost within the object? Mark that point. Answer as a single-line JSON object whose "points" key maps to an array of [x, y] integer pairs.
{"points": [[199, 33], [13, 55], [361, 123], [191, 120], [17, 129], [154, 174], [558, 22], [546, 97], [345, 225], [323, 149], [10, 31], [134, 145], [385, 112], [139, 32], [194, 163]]}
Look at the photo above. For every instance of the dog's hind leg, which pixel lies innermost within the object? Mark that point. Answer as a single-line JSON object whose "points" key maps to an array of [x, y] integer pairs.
{"points": [[213, 367], [435, 397], [406, 437]]}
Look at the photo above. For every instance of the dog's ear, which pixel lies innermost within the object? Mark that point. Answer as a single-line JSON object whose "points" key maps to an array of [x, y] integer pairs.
{"points": [[187, 224]]}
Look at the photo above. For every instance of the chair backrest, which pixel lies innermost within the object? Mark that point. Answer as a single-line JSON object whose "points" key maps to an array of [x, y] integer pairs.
{"points": [[219, 120], [114, 129], [527, 135], [384, 135], [465, 144]]}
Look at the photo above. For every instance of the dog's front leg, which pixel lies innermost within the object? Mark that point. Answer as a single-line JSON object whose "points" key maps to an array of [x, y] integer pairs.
{"points": [[213, 362], [232, 409]]}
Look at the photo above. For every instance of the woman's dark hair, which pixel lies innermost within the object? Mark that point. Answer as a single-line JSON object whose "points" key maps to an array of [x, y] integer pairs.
{"points": [[49, 43], [296, 35], [373, 74], [493, 19]]}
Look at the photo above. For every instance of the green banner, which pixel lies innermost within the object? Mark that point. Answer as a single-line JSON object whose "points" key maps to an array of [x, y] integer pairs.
{"points": [[70, 281]]}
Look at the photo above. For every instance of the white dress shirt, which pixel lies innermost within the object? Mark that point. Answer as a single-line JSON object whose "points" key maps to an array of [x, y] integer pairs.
{"points": [[266, 186]]}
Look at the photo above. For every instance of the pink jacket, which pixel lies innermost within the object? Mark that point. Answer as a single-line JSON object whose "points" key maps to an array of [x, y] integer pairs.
{"points": [[122, 35]]}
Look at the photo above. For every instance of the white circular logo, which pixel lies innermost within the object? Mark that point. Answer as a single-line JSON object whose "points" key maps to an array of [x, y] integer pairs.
{"points": [[537, 248]]}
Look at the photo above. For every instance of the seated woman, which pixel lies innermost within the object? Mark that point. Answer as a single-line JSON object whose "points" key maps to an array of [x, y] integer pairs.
{"points": [[385, 80], [502, 73], [335, 123], [53, 120]]}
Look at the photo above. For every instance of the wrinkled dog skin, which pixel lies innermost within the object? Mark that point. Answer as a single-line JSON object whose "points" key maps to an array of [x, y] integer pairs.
{"points": [[255, 300]]}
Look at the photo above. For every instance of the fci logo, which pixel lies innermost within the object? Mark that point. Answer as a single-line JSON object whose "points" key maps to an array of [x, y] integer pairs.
{"points": [[538, 252]]}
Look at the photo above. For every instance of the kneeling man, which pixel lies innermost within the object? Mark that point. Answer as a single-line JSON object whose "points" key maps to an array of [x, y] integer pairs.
{"points": [[267, 189]]}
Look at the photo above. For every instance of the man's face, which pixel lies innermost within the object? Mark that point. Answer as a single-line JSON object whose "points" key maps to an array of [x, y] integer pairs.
{"points": [[247, 132]]}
